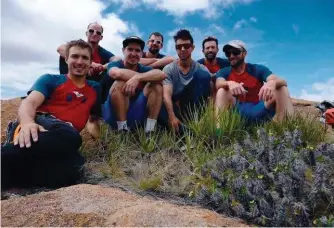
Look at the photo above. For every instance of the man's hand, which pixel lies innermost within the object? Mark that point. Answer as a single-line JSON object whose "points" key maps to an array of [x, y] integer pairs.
{"points": [[96, 68], [130, 86], [174, 123], [237, 89], [267, 91], [26, 132]]}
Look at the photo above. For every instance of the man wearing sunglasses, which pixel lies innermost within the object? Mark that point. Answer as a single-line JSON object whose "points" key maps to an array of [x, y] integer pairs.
{"points": [[252, 89], [187, 83], [101, 56], [136, 95], [153, 57]]}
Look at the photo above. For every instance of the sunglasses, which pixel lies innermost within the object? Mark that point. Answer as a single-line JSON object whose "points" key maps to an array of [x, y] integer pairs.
{"points": [[91, 31], [234, 52], [155, 41], [185, 46]]}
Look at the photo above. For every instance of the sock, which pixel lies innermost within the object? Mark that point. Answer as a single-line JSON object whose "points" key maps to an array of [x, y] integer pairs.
{"points": [[150, 124], [122, 125]]}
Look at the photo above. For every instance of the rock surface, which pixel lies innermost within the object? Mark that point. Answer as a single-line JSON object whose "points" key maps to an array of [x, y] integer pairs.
{"points": [[93, 205]]}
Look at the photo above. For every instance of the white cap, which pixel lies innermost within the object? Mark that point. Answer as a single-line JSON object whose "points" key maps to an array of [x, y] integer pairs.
{"points": [[236, 44]]}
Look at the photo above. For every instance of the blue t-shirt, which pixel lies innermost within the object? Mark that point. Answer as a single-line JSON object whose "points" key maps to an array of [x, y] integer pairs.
{"points": [[253, 78], [221, 63]]}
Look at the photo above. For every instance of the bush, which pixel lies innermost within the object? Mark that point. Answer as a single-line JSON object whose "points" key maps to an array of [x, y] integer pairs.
{"points": [[272, 181]]}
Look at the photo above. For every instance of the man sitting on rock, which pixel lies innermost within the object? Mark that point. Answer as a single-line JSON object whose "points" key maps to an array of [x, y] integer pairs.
{"points": [[136, 95], [41, 149], [252, 89]]}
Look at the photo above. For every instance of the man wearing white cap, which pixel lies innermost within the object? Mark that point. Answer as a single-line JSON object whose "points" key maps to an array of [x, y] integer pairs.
{"points": [[252, 89]]}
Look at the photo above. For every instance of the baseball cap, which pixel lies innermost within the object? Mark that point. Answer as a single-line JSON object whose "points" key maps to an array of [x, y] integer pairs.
{"points": [[133, 39], [236, 44]]}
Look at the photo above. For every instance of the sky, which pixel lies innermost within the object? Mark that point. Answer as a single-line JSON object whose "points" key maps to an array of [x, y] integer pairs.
{"points": [[293, 38]]}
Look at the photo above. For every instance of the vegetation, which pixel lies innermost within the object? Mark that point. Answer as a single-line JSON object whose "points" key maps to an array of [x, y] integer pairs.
{"points": [[274, 174]]}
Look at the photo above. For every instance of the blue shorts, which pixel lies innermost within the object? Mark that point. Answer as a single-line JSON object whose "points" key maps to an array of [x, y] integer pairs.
{"points": [[136, 116], [254, 113]]}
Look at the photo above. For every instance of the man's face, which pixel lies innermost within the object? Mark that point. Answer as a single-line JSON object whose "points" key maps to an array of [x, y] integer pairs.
{"points": [[154, 44], [132, 53], [235, 56], [78, 61], [210, 50], [184, 48], [94, 33]]}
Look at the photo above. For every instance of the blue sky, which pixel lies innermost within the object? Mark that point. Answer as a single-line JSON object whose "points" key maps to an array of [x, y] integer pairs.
{"points": [[295, 39]]}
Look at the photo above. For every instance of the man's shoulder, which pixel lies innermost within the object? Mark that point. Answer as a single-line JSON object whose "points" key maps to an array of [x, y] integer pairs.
{"points": [[57, 78], [95, 85], [254, 68], [171, 65], [102, 49], [223, 62], [201, 61]]}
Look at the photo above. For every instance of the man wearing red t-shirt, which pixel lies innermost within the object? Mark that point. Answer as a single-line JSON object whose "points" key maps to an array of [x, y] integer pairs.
{"points": [[252, 89], [101, 57], [41, 148], [211, 61]]}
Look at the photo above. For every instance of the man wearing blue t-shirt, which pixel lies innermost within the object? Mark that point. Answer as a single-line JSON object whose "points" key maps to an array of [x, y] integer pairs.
{"points": [[136, 94], [186, 85], [153, 57], [251, 89]]}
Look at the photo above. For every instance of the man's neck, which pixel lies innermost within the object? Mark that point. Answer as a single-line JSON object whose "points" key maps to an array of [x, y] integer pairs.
{"points": [[78, 81], [240, 69], [211, 62], [131, 67], [185, 63], [94, 45], [151, 55]]}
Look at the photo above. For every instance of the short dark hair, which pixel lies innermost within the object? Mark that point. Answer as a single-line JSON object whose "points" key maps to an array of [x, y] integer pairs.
{"points": [[78, 43], [183, 34], [157, 34], [209, 38], [97, 24]]}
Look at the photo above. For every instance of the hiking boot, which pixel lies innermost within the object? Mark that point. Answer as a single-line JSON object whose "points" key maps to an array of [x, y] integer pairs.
{"points": [[10, 131]]}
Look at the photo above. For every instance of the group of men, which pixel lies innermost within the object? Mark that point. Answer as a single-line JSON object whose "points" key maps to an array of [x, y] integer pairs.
{"points": [[141, 89]]}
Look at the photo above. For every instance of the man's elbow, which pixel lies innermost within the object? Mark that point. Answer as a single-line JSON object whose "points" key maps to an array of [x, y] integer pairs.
{"points": [[163, 75], [114, 73]]}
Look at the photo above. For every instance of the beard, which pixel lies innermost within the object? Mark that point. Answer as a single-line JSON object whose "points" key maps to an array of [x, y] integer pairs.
{"points": [[237, 63], [154, 50], [210, 56]]}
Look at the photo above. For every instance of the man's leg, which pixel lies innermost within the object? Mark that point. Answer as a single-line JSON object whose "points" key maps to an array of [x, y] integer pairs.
{"points": [[224, 100], [282, 103], [120, 104], [153, 92], [26, 167]]}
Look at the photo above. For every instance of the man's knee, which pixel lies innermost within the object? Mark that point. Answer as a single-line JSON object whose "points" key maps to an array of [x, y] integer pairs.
{"points": [[116, 88], [155, 88], [223, 94]]}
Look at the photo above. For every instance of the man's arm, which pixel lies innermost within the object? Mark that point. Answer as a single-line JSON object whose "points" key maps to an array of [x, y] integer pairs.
{"points": [[167, 98], [221, 83], [28, 107], [125, 74], [162, 62], [278, 81], [147, 61], [62, 50]]}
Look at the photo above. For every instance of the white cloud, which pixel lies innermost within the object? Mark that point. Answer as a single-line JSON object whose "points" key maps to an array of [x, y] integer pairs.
{"points": [[295, 28], [211, 8], [34, 29], [319, 91], [240, 24], [253, 19]]}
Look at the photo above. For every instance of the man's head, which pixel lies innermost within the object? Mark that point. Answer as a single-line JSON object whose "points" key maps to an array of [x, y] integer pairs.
{"points": [[184, 44], [236, 52], [133, 48], [94, 33], [210, 48], [79, 56], [155, 42]]}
